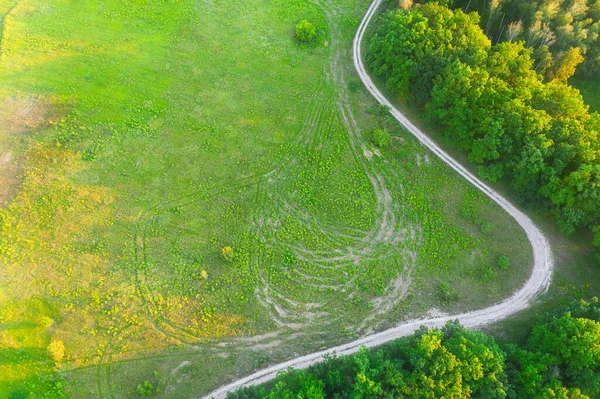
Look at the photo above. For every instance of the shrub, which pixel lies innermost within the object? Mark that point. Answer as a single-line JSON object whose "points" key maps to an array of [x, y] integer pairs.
{"points": [[380, 138], [57, 350], [289, 258], [227, 253], [486, 228], [467, 211], [382, 110], [306, 32], [354, 85], [88, 154], [260, 361], [145, 389], [488, 273], [503, 262], [444, 293]]}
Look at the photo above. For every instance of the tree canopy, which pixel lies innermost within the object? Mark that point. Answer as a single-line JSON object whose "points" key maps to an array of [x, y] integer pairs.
{"points": [[563, 33]]}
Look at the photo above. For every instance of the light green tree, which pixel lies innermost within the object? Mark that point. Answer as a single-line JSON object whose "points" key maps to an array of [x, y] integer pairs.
{"points": [[306, 32]]}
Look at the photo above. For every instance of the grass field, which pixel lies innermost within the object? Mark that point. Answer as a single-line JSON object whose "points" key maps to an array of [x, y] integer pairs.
{"points": [[139, 139], [590, 89]]}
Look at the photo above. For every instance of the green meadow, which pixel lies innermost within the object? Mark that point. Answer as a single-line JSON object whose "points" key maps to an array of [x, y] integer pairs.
{"points": [[189, 193]]}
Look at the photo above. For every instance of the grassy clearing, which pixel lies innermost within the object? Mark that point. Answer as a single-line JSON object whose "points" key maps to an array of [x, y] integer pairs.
{"points": [[576, 276], [590, 89], [176, 130]]}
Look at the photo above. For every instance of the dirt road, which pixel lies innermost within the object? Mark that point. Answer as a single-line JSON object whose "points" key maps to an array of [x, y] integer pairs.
{"points": [[537, 283]]}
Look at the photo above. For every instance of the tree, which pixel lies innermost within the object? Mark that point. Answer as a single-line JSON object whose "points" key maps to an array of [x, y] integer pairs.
{"points": [[575, 197], [526, 370], [306, 32], [452, 363], [559, 361], [368, 375], [405, 4], [566, 64], [550, 27], [555, 390], [427, 36], [543, 59], [574, 347]]}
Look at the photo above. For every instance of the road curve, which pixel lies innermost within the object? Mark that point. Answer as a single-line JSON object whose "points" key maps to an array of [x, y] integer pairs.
{"points": [[538, 282]]}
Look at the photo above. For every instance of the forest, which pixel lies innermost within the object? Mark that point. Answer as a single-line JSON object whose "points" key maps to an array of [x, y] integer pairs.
{"points": [[517, 119], [563, 34], [560, 359]]}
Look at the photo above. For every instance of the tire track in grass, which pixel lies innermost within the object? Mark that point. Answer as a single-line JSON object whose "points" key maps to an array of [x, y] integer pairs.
{"points": [[306, 140], [329, 106], [537, 283], [364, 247], [326, 254], [168, 328], [371, 243], [160, 323]]}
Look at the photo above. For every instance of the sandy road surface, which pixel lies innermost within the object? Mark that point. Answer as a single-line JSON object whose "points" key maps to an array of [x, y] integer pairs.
{"points": [[538, 281]]}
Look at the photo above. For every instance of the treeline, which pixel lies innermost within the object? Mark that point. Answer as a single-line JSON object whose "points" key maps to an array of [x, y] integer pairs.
{"points": [[561, 359], [563, 33], [491, 102]]}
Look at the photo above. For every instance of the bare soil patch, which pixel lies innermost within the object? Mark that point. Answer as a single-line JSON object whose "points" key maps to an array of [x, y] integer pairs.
{"points": [[17, 116]]}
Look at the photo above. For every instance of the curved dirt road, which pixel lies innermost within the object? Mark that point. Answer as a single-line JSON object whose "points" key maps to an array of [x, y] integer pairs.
{"points": [[538, 281]]}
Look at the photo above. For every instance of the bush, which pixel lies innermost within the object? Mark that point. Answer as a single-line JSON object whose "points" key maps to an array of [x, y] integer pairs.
{"points": [[486, 228], [227, 253], [57, 350], [503, 262], [380, 138], [289, 258], [261, 361], [354, 85], [467, 211], [488, 273], [444, 292], [145, 388], [306, 32], [88, 154]]}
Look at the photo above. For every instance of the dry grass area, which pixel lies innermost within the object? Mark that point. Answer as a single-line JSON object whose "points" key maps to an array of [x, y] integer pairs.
{"points": [[18, 115]]}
